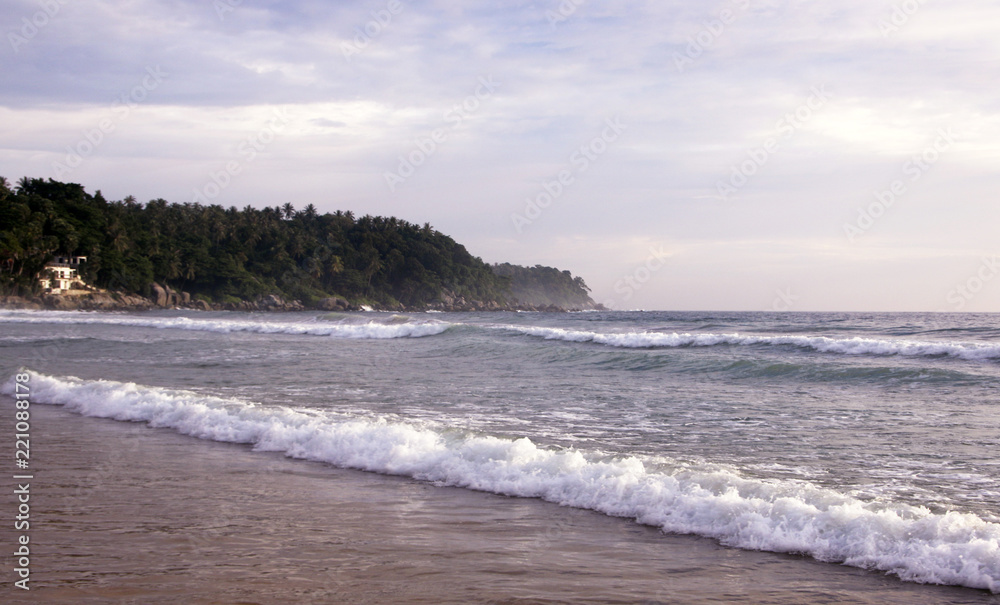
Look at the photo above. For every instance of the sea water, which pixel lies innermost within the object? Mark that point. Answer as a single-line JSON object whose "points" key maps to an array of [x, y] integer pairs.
{"points": [[868, 440]]}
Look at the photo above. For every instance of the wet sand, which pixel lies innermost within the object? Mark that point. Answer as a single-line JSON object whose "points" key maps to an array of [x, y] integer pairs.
{"points": [[122, 513]]}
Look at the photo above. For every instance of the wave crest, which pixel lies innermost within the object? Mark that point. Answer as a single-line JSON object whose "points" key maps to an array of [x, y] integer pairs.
{"points": [[371, 329], [822, 344], [772, 515]]}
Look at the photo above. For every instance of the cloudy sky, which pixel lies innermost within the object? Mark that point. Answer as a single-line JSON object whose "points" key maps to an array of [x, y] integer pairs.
{"points": [[733, 155]]}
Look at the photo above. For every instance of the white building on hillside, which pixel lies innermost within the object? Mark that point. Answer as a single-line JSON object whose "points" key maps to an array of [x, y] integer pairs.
{"points": [[62, 273]]}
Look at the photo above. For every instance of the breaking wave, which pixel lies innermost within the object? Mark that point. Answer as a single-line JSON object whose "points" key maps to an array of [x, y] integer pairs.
{"points": [[822, 344], [773, 515], [392, 328]]}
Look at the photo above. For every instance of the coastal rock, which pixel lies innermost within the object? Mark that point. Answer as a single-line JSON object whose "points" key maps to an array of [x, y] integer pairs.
{"points": [[132, 301], [160, 298], [59, 303], [16, 302], [272, 301], [97, 302], [334, 303], [166, 297], [173, 298]]}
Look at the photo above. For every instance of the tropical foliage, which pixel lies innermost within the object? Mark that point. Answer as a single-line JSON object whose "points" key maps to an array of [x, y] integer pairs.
{"points": [[540, 286], [224, 254]]}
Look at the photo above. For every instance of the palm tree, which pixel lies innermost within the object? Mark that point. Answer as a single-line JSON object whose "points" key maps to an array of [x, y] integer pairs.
{"points": [[335, 265], [374, 266], [119, 241], [372, 262], [173, 264]]}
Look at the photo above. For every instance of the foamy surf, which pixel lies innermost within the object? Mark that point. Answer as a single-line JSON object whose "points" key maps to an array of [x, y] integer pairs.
{"points": [[779, 516], [822, 344], [370, 329]]}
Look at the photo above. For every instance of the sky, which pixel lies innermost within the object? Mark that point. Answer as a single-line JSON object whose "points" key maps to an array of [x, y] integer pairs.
{"points": [[735, 155]]}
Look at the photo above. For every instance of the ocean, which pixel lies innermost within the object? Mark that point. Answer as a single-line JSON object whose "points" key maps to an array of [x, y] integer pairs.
{"points": [[821, 441]]}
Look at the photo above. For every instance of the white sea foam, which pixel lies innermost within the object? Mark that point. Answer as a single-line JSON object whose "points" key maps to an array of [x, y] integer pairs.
{"points": [[780, 516], [371, 329], [823, 344]]}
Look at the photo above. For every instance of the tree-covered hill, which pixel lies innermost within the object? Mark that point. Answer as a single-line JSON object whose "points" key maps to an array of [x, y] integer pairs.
{"points": [[540, 286], [227, 255]]}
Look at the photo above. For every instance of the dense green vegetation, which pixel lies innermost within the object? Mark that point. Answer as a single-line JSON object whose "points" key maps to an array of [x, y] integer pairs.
{"points": [[224, 254], [545, 286]]}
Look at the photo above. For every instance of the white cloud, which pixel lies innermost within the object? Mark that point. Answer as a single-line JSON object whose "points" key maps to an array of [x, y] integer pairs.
{"points": [[352, 117]]}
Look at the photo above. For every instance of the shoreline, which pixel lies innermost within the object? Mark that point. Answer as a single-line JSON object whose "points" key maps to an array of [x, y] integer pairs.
{"points": [[126, 513], [116, 301]]}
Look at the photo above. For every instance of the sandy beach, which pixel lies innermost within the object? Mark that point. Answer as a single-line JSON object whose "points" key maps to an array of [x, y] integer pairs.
{"points": [[122, 513]]}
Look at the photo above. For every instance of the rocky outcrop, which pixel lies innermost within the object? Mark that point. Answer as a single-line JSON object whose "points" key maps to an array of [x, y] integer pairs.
{"points": [[94, 301], [451, 303], [16, 302], [168, 298], [174, 298], [56, 302], [160, 296], [271, 302], [164, 297], [454, 303], [114, 301], [334, 303]]}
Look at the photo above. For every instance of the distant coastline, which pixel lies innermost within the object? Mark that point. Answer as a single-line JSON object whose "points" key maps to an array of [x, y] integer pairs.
{"points": [[63, 248], [118, 301]]}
